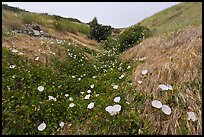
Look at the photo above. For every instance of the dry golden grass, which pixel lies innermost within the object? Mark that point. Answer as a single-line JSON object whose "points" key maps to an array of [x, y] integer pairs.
{"points": [[77, 38], [176, 60], [12, 20], [34, 46]]}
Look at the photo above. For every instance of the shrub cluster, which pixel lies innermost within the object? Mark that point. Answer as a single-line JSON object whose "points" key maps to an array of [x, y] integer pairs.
{"points": [[132, 36]]}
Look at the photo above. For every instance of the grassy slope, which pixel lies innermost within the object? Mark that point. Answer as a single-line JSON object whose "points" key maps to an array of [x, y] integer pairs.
{"points": [[176, 17], [12, 19], [173, 59]]}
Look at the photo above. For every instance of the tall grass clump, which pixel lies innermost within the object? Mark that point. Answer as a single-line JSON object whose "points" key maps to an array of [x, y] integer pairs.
{"points": [[29, 18], [68, 26]]}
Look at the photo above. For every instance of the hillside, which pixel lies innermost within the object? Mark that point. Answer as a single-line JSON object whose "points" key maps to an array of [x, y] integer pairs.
{"points": [[174, 59], [174, 18], [58, 81]]}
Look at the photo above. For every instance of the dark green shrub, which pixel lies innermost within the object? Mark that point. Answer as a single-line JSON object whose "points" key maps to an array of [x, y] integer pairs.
{"points": [[98, 31], [132, 36]]}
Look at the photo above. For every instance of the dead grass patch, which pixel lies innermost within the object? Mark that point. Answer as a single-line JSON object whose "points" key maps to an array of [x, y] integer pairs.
{"points": [[32, 47], [174, 60]]}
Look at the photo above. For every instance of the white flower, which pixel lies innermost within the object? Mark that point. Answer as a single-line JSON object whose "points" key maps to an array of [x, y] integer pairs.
{"points": [[92, 86], [40, 88], [116, 99], [61, 124], [82, 93], [191, 115], [122, 76], [89, 91], [12, 66], [144, 72], [166, 109], [128, 67], [79, 79], [156, 104], [14, 50], [97, 95], [66, 95], [70, 99], [169, 87], [91, 105], [115, 86], [94, 77], [69, 44], [140, 82], [113, 110], [42, 126], [52, 98], [71, 105], [164, 87], [87, 96], [37, 58], [73, 76]]}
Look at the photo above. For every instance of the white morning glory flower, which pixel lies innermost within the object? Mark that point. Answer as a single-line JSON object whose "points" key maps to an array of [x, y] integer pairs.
{"points": [[128, 67], [14, 50], [113, 110], [164, 87], [66, 95], [140, 82], [70, 99], [166, 109], [144, 72], [122, 76], [37, 58], [61, 124], [91, 105], [156, 104], [169, 87], [71, 105], [115, 86], [52, 98], [191, 115], [97, 95], [12, 66], [40, 88], [42, 126], [89, 91], [87, 96], [92, 86], [116, 99]]}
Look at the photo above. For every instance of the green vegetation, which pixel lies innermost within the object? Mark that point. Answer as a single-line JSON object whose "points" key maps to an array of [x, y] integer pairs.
{"points": [[71, 72], [73, 27], [174, 18], [26, 107], [98, 31], [132, 36], [17, 19]]}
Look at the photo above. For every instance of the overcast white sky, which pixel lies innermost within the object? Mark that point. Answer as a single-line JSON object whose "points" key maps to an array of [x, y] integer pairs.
{"points": [[116, 14]]}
